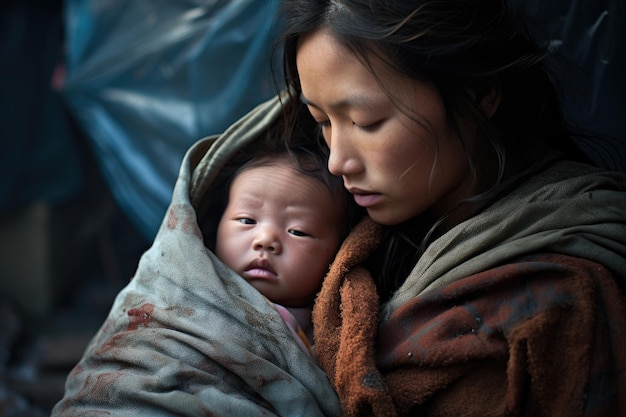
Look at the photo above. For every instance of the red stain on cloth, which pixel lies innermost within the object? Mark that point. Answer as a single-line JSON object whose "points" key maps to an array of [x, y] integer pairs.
{"points": [[141, 316]]}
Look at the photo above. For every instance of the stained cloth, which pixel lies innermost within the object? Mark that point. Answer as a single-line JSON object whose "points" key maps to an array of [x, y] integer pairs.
{"points": [[518, 311], [189, 337]]}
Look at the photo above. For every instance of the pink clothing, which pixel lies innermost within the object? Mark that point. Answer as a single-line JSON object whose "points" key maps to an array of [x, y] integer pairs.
{"points": [[298, 321]]}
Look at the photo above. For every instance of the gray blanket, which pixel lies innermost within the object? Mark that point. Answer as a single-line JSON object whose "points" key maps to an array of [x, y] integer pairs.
{"points": [[187, 336]]}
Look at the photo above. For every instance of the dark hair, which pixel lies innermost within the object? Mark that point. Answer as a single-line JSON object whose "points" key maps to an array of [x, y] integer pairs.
{"points": [[296, 145], [467, 49]]}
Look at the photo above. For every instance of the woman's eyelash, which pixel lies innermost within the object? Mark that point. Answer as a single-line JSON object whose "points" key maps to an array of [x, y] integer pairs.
{"points": [[369, 126]]}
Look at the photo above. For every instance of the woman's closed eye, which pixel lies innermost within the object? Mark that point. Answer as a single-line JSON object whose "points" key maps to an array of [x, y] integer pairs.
{"points": [[323, 123], [368, 127]]}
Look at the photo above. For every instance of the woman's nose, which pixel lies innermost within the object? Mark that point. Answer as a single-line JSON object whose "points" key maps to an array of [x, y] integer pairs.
{"points": [[341, 160], [267, 240]]}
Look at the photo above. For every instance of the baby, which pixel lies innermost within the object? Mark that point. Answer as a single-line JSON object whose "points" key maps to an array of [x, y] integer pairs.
{"points": [[282, 225]]}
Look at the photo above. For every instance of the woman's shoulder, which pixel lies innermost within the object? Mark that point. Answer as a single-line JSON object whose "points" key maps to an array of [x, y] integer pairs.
{"points": [[565, 179], [567, 208]]}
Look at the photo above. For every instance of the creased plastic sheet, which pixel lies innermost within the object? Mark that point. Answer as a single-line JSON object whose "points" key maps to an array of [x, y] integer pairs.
{"points": [[147, 78], [591, 36]]}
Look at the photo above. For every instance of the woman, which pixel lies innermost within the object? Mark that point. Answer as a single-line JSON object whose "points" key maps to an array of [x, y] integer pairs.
{"points": [[492, 250]]}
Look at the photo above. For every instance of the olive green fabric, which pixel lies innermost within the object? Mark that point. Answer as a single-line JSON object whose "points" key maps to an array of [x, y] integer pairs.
{"points": [[568, 208]]}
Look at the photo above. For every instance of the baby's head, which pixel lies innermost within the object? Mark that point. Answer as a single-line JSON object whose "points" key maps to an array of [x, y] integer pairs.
{"points": [[283, 223], [283, 176]]}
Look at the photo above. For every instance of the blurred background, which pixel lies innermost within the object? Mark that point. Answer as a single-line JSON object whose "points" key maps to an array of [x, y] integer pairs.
{"points": [[100, 99]]}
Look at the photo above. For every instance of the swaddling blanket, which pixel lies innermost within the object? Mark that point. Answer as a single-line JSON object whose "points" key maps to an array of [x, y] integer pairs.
{"points": [[189, 337]]}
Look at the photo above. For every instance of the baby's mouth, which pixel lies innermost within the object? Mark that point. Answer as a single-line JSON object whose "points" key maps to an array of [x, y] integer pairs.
{"points": [[260, 269]]}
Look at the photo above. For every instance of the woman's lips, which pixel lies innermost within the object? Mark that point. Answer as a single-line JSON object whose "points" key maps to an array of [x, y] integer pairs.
{"points": [[364, 198]]}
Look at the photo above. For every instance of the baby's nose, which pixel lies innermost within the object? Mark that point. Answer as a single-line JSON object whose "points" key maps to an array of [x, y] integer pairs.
{"points": [[267, 240]]}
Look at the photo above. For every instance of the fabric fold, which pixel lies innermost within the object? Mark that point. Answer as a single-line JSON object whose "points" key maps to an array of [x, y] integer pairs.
{"points": [[189, 337]]}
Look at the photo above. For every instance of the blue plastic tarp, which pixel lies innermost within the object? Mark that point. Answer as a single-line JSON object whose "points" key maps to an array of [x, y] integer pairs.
{"points": [[147, 78]]}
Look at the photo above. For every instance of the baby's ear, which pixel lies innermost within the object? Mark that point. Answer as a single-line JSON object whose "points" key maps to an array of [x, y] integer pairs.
{"points": [[491, 101]]}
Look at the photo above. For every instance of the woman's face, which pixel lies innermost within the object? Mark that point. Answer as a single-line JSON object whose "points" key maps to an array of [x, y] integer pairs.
{"points": [[398, 156]]}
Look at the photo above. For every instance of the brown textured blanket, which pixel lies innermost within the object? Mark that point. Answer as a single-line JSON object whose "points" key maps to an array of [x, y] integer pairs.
{"points": [[540, 335]]}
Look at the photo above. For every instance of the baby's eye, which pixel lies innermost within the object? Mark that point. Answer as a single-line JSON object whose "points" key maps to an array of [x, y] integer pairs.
{"points": [[246, 220], [297, 232]]}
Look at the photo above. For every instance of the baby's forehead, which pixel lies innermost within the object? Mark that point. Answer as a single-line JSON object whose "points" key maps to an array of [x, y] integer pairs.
{"points": [[264, 178], [299, 167], [285, 178], [304, 167]]}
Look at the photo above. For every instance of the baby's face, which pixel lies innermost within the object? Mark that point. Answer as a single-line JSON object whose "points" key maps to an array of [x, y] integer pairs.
{"points": [[280, 231]]}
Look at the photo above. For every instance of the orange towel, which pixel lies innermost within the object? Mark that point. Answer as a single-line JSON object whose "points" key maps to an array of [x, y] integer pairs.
{"points": [[540, 335]]}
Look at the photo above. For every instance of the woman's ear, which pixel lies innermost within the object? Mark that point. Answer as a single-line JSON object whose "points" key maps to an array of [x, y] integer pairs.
{"points": [[490, 101]]}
